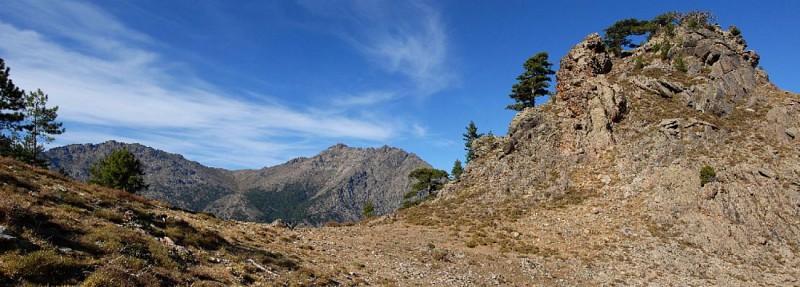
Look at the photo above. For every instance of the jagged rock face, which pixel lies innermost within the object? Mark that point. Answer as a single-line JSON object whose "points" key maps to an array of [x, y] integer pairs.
{"points": [[333, 185], [578, 123], [636, 130], [593, 102], [724, 74]]}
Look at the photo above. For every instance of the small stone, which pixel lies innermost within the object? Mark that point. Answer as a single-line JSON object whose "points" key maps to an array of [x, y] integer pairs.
{"points": [[792, 132], [5, 234], [767, 173], [167, 241]]}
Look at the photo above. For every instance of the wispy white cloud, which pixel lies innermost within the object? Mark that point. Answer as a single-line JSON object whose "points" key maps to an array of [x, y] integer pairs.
{"points": [[402, 37], [110, 85], [365, 99], [419, 130]]}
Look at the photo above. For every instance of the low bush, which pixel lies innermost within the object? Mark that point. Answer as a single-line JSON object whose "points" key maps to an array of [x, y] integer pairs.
{"points": [[735, 31], [707, 175], [665, 47], [680, 65], [639, 63]]}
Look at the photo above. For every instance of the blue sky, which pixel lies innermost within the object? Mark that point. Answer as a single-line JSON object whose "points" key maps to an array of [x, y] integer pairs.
{"points": [[247, 84]]}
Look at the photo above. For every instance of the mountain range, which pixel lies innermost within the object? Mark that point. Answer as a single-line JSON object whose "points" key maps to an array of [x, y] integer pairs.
{"points": [[675, 163], [331, 186]]}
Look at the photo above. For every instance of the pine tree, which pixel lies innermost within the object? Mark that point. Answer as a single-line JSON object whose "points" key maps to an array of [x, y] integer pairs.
{"points": [[11, 106], [428, 179], [616, 36], [120, 170], [40, 123], [471, 135], [457, 170], [533, 83]]}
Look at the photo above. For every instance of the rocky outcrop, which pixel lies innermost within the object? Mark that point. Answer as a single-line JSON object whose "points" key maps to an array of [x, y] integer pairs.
{"points": [[333, 185], [723, 73], [594, 103], [783, 122], [623, 142]]}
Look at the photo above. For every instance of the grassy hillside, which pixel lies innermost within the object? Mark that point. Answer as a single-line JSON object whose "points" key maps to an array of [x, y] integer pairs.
{"points": [[57, 231]]}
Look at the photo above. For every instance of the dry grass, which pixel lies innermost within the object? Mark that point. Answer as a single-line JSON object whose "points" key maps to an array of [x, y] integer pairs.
{"points": [[71, 233]]}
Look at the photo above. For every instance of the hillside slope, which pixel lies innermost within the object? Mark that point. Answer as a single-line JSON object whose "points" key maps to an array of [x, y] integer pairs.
{"points": [[333, 185], [602, 184], [55, 231]]}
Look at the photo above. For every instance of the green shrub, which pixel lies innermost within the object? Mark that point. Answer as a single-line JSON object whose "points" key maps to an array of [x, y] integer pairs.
{"points": [[665, 47], [368, 210], [639, 63], [707, 174], [693, 23], [669, 30], [680, 65], [735, 31]]}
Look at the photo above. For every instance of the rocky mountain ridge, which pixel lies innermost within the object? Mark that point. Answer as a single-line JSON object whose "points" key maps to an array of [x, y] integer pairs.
{"points": [[333, 185], [616, 155]]}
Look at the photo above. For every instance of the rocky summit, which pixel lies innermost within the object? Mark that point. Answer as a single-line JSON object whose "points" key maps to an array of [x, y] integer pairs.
{"points": [[331, 186], [676, 163]]}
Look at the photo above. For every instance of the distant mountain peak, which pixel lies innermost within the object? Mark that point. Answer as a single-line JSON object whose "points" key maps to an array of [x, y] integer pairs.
{"points": [[332, 185]]}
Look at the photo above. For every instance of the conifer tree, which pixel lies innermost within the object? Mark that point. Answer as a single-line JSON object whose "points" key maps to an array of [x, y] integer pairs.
{"points": [[11, 106], [616, 36], [471, 135], [533, 83], [368, 210], [457, 170], [428, 179], [120, 170], [40, 123]]}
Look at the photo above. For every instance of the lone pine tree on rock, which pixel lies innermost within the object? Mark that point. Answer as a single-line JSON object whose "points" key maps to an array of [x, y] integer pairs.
{"points": [[533, 83]]}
